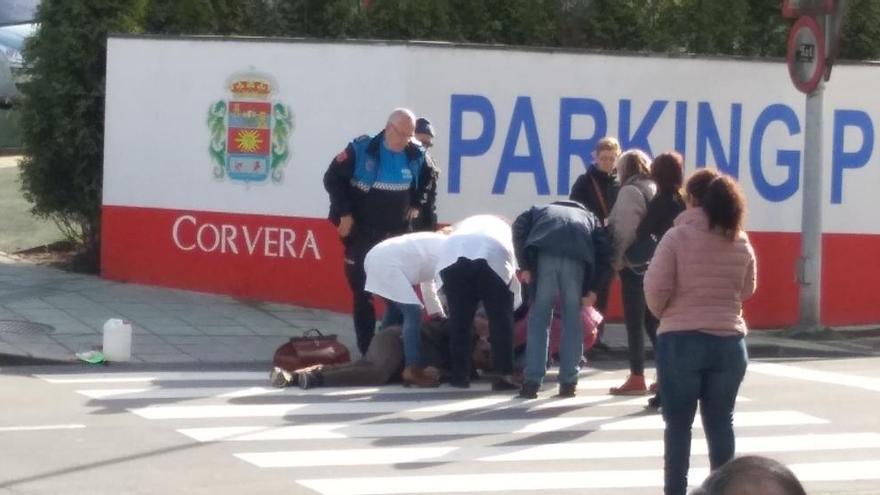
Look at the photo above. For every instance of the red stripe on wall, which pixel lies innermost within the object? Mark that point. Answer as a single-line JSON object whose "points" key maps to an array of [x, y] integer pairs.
{"points": [[850, 279], [138, 246], [274, 262]]}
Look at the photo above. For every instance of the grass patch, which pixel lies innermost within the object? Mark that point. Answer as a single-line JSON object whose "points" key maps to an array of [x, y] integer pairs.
{"points": [[10, 130], [19, 229]]}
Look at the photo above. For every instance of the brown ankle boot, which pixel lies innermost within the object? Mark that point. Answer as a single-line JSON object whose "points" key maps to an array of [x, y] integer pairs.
{"points": [[419, 378], [634, 385]]}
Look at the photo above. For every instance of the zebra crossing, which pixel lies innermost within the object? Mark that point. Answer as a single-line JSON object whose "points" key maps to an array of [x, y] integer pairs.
{"points": [[390, 439]]}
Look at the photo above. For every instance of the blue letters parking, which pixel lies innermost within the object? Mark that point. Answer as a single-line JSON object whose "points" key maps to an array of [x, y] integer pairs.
{"points": [[725, 150]]}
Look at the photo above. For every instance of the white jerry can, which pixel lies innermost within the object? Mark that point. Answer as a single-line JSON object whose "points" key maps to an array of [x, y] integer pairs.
{"points": [[117, 340]]}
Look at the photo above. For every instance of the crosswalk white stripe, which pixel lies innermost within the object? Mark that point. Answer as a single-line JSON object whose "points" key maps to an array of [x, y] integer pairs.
{"points": [[547, 452], [491, 482], [838, 471], [798, 373], [201, 392], [111, 394], [360, 429], [6, 429], [740, 420], [327, 408], [507, 481], [588, 377], [154, 377], [495, 402], [364, 429]]}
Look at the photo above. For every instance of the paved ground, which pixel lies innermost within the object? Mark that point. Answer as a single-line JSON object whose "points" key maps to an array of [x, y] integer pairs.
{"points": [[173, 326], [102, 431], [9, 161]]}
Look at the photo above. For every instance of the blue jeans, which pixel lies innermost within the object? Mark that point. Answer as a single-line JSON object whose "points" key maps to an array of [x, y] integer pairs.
{"points": [[410, 315], [556, 278], [697, 367]]}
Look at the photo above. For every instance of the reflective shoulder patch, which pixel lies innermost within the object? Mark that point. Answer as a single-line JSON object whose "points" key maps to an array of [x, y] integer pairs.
{"points": [[342, 156]]}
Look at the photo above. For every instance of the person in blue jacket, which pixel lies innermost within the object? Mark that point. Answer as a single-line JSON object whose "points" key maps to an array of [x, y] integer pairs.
{"points": [[376, 188]]}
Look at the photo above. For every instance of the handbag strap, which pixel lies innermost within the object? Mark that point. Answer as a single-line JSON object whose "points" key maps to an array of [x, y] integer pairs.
{"points": [[600, 197]]}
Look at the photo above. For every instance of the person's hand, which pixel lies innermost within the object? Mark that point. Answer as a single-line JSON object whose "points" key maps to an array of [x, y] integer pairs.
{"points": [[526, 276], [345, 225], [412, 214], [589, 299]]}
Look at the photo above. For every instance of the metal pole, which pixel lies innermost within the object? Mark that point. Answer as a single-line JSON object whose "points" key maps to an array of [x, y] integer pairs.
{"points": [[810, 270]]}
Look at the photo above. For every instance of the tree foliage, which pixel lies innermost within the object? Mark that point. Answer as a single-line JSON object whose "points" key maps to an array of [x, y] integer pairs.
{"points": [[62, 114], [860, 39]]}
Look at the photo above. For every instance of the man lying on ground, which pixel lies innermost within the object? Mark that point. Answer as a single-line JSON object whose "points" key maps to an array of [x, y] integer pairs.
{"points": [[383, 361]]}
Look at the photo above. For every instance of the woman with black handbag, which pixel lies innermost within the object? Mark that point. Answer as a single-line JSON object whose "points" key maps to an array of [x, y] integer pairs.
{"points": [[667, 170]]}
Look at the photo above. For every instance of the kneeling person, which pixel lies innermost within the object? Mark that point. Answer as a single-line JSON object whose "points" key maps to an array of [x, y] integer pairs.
{"points": [[393, 267]]}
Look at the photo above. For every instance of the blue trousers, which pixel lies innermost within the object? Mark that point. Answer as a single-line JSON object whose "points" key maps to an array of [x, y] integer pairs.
{"points": [[562, 279], [696, 367], [410, 316]]}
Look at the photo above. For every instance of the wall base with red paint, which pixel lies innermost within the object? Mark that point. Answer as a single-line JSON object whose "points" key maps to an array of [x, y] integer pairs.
{"points": [[299, 261]]}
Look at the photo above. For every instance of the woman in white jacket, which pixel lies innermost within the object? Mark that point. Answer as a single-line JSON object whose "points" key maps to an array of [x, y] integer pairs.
{"points": [[393, 267], [636, 191]]}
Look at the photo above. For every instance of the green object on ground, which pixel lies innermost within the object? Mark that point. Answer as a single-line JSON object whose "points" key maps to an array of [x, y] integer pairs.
{"points": [[91, 357]]}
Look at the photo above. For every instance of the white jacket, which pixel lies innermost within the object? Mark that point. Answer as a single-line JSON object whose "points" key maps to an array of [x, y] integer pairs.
{"points": [[395, 265]]}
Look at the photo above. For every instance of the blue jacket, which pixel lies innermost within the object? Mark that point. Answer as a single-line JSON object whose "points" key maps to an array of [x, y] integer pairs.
{"points": [[377, 195]]}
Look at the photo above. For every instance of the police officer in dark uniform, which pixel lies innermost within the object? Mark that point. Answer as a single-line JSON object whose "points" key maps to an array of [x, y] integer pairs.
{"points": [[427, 219], [376, 188]]}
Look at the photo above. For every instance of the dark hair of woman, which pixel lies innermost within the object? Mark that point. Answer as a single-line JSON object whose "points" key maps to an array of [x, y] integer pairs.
{"points": [[721, 199], [667, 170], [751, 474]]}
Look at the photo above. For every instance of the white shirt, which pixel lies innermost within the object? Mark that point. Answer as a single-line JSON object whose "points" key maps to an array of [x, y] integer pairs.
{"points": [[395, 265], [483, 237]]}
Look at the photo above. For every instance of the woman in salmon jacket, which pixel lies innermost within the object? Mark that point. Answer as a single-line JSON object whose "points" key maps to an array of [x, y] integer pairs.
{"points": [[702, 271]]}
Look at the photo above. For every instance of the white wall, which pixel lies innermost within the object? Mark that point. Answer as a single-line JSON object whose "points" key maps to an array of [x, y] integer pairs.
{"points": [[159, 92]]}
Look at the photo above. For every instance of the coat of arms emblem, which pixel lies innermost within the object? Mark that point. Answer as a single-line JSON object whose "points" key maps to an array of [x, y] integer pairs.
{"points": [[250, 131]]}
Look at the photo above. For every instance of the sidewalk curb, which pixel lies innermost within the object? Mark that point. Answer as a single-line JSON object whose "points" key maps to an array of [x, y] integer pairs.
{"points": [[7, 359]]}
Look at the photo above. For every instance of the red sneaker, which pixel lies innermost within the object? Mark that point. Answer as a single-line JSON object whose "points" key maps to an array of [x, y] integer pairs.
{"points": [[634, 385]]}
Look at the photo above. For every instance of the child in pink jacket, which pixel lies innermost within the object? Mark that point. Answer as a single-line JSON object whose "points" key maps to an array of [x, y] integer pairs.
{"points": [[702, 271]]}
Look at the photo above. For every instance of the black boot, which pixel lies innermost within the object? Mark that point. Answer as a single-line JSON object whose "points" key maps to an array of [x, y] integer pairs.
{"points": [[310, 379], [529, 390], [567, 389]]}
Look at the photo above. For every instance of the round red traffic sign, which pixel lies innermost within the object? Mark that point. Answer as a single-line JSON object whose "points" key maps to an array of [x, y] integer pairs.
{"points": [[806, 54]]}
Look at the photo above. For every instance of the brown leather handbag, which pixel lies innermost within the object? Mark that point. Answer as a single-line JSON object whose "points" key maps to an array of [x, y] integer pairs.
{"points": [[310, 349]]}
